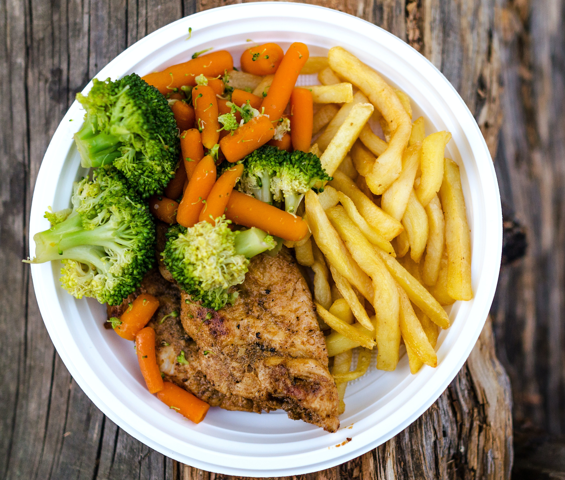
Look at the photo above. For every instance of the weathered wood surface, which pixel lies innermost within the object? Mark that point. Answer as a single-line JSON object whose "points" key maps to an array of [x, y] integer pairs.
{"points": [[49, 50]]}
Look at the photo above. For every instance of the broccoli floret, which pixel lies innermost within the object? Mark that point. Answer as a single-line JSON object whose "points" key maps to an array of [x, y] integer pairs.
{"points": [[106, 243], [128, 124], [283, 126], [208, 260], [273, 176], [228, 121]]}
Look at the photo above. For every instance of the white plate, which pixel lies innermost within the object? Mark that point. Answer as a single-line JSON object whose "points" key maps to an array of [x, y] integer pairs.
{"points": [[380, 404]]}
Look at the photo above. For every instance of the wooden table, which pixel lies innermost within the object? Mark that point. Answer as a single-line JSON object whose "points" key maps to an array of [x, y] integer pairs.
{"points": [[506, 59]]}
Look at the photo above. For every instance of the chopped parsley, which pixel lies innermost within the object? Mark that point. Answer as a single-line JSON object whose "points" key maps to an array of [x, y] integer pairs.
{"points": [[181, 359], [173, 314], [115, 322], [197, 54]]}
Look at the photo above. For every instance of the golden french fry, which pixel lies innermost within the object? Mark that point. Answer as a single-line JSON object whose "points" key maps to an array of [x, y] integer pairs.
{"points": [[328, 77], [264, 85], [329, 197], [338, 93], [405, 100], [386, 301], [436, 241], [331, 130], [336, 295], [243, 80], [373, 142], [348, 168], [362, 184], [395, 200], [383, 223], [328, 241], [389, 164], [345, 137], [337, 343], [457, 236], [415, 290], [344, 328], [362, 158], [323, 116], [363, 362], [413, 334], [415, 221], [432, 333], [418, 131], [322, 290], [342, 364], [315, 150], [432, 165], [304, 254], [314, 65], [341, 309], [402, 245], [440, 290], [370, 233], [349, 296], [412, 267]]}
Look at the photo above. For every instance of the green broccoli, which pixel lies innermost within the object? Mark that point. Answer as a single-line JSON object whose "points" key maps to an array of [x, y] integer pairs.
{"points": [[106, 242], [208, 260], [273, 176], [128, 124]]}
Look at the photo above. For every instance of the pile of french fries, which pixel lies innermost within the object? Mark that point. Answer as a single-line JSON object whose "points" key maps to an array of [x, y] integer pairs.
{"points": [[390, 243]]}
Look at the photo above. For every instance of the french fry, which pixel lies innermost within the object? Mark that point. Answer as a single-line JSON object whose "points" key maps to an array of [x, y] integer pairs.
{"points": [[432, 333], [338, 93], [383, 97], [264, 85], [342, 364], [401, 244], [432, 166], [363, 159], [415, 221], [436, 241], [373, 142], [413, 333], [344, 138], [405, 100], [315, 150], [340, 308], [371, 234], [457, 236], [440, 290], [322, 289], [363, 362], [329, 133], [348, 168], [418, 131], [415, 290], [412, 267], [304, 253], [383, 223], [314, 65], [395, 200], [323, 116], [328, 241], [344, 328], [329, 197], [337, 343], [336, 295], [349, 296], [328, 77], [386, 302], [362, 185], [242, 80]]}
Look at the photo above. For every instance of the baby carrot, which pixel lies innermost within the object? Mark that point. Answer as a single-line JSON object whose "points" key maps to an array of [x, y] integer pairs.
{"points": [[217, 85], [184, 115], [175, 96], [183, 402], [301, 118], [206, 110], [192, 150], [211, 65], [285, 143], [248, 137], [279, 94], [240, 97], [164, 208], [248, 211], [224, 108], [220, 194], [197, 192], [145, 349], [262, 60], [174, 188], [136, 316]]}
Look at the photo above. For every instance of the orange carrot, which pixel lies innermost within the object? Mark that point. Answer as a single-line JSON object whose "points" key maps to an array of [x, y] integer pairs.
{"points": [[192, 150], [176, 96], [145, 349], [250, 212], [220, 194], [247, 138], [184, 115], [301, 118], [197, 192], [174, 188], [211, 65], [164, 208], [224, 108], [262, 60], [136, 316], [279, 94], [217, 85], [206, 110], [240, 97], [183, 402], [285, 143]]}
